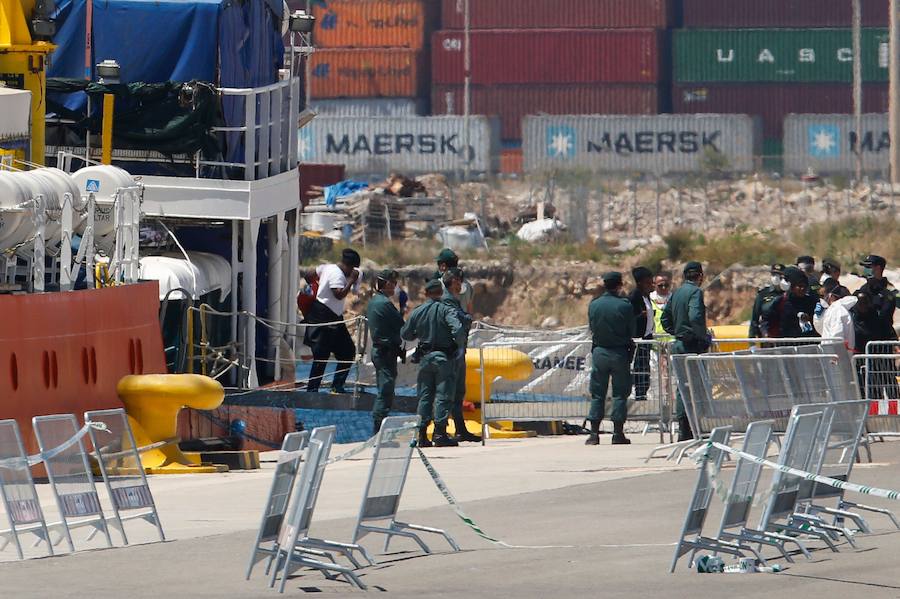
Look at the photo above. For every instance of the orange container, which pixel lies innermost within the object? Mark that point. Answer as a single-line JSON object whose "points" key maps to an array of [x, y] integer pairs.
{"points": [[373, 73], [373, 24], [511, 162]]}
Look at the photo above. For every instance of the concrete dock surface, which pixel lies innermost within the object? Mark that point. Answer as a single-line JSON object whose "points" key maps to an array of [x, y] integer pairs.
{"points": [[608, 520]]}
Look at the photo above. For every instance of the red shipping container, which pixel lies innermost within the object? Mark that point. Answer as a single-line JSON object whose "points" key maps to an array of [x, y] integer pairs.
{"points": [[775, 101], [733, 14], [552, 56], [318, 175], [553, 14], [513, 102]]}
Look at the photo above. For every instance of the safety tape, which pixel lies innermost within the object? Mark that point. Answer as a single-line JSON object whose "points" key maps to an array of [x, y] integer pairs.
{"points": [[720, 487], [838, 484], [388, 435], [445, 491], [141, 449], [22, 463]]}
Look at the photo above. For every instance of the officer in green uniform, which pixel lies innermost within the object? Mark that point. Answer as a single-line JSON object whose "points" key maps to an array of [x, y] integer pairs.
{"points": [[684, 317], [764, 298], [453, 281], [385, 322], [446, 260], [440, 335], [881, 323], [611, 319]]}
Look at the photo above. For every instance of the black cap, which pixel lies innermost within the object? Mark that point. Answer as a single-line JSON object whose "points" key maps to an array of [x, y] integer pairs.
{"points": [[433, 285], [795, 276], [777, 269], [612, 279], [351, 258], [455, 272], [830, 265], [805, 260], [640, 273], [873, 260], [692, 267]]}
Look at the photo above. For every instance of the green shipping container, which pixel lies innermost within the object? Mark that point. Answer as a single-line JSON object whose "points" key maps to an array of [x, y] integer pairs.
{"points": [[786, 55]]}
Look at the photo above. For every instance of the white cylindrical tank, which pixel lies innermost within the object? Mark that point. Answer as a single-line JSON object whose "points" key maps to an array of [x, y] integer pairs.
{"points": [[15, 223], [102, 180]]}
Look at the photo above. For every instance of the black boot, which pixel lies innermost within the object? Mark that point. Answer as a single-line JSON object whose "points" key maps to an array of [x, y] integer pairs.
{"points": [[423, 437], [594, 437], [376, 426], [684, 429], [619, 437], [441, 438], [462, 433]]}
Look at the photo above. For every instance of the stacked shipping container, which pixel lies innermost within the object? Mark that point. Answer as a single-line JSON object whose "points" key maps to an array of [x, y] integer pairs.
{"points": [[368, 51], [553, 57], [771, 58]]}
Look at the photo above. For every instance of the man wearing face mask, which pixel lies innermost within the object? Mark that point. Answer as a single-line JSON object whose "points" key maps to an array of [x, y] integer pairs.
{"points": [[453, 285], [798, 306], [765, 299], [881, 322], [807, 265]]}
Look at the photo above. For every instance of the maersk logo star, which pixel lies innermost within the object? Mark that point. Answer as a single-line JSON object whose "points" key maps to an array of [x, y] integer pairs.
{"points": [[824, 141], [560, 142]]}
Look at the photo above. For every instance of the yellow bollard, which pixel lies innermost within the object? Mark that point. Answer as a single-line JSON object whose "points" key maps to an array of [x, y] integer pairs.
{"points": [[152, 402]]}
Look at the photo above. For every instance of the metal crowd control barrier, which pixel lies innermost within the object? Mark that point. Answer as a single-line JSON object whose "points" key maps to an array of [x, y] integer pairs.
{"points": [[739, 500], [559, 386], [384, 487], [720, 396], [70, 477], [123, 474], [877, 371], [795, 452], [20, 500], [277, 503], [699, 506], [293, 541], [800, 520]]}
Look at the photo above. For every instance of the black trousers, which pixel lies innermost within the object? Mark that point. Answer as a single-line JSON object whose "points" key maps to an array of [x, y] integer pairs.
{"points": [[640, 370], [333, 338]]}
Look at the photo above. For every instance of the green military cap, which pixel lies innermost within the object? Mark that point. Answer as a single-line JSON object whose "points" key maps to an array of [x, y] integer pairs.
{"points": [[873, 260], [447, 255], [778, 269], [456, 272], [433, 285], [388, 274], [692, 267], [612, 279]]}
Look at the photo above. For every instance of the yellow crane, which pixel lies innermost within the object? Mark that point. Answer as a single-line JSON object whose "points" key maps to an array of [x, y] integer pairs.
{"points": [[23, 61]]}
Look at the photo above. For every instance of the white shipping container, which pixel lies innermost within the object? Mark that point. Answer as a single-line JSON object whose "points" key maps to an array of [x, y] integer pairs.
{"points": [[365, 107], [649, 144], [408, 145], [827, 143]]}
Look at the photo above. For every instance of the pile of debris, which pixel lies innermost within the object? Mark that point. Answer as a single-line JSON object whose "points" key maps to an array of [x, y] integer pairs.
{"points": [[397, 208]]}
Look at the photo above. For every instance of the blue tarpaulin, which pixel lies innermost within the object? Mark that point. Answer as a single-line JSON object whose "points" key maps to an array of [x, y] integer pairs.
{"points": [[227, 42]]}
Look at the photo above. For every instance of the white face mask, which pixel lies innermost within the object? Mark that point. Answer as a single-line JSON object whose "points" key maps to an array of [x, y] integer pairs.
{"points": [[784, 285]]}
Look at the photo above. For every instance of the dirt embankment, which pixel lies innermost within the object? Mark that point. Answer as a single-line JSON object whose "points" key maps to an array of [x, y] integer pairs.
{"points": [[557, 295]]}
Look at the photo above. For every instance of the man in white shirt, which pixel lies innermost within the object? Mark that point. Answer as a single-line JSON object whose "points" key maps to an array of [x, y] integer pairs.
{"points": [[837, 322], [331, 336]]}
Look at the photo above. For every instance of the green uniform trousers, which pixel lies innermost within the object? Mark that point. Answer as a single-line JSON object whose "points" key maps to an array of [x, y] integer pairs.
{"points": [[459, 387], [679, 347], [434, 386], [606, 364], [384, 359]]}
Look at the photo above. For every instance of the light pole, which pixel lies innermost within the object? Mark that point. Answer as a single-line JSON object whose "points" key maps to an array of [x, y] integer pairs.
{"points": [[467, 91], [894, 78], [857, 84]]}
